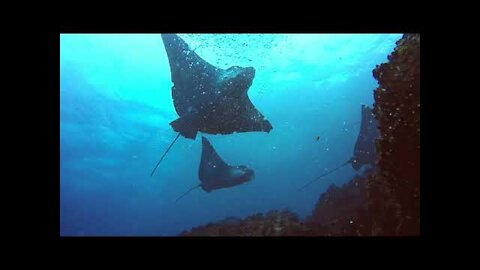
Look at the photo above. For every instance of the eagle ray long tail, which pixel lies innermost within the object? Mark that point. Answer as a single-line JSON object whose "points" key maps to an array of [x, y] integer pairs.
{"points": [[164, 154], [324, 174], [188, 191]]}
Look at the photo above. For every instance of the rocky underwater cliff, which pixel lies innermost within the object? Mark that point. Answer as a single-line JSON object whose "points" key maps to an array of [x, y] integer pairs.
{"points": [[385, 200]]}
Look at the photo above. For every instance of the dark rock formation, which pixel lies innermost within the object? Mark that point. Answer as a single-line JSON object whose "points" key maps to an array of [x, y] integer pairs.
{"points": [[395, 190], [273, 223], [385, 201], [342, 210]]}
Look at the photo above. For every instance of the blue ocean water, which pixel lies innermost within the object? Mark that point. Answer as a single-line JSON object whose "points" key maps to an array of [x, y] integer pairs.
{"points": [[116, 106]]}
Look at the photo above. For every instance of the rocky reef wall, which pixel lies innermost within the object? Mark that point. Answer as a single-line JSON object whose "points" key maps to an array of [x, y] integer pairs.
{"points": [[394, 191]]}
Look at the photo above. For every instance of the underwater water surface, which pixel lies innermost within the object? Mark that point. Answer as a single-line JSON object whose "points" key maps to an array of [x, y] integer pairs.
{"points": [[116, 106]]}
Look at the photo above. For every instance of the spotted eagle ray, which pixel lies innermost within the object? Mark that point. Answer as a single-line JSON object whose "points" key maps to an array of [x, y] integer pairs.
{"points": [[214, 173], [207, 98], [364, 151]]}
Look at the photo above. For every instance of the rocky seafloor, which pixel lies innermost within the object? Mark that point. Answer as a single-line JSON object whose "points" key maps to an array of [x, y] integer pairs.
{"points": [[385, 201]]}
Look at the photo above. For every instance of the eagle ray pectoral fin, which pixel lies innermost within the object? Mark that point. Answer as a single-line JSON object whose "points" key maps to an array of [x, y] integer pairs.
{"points": [[187, 126]]}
